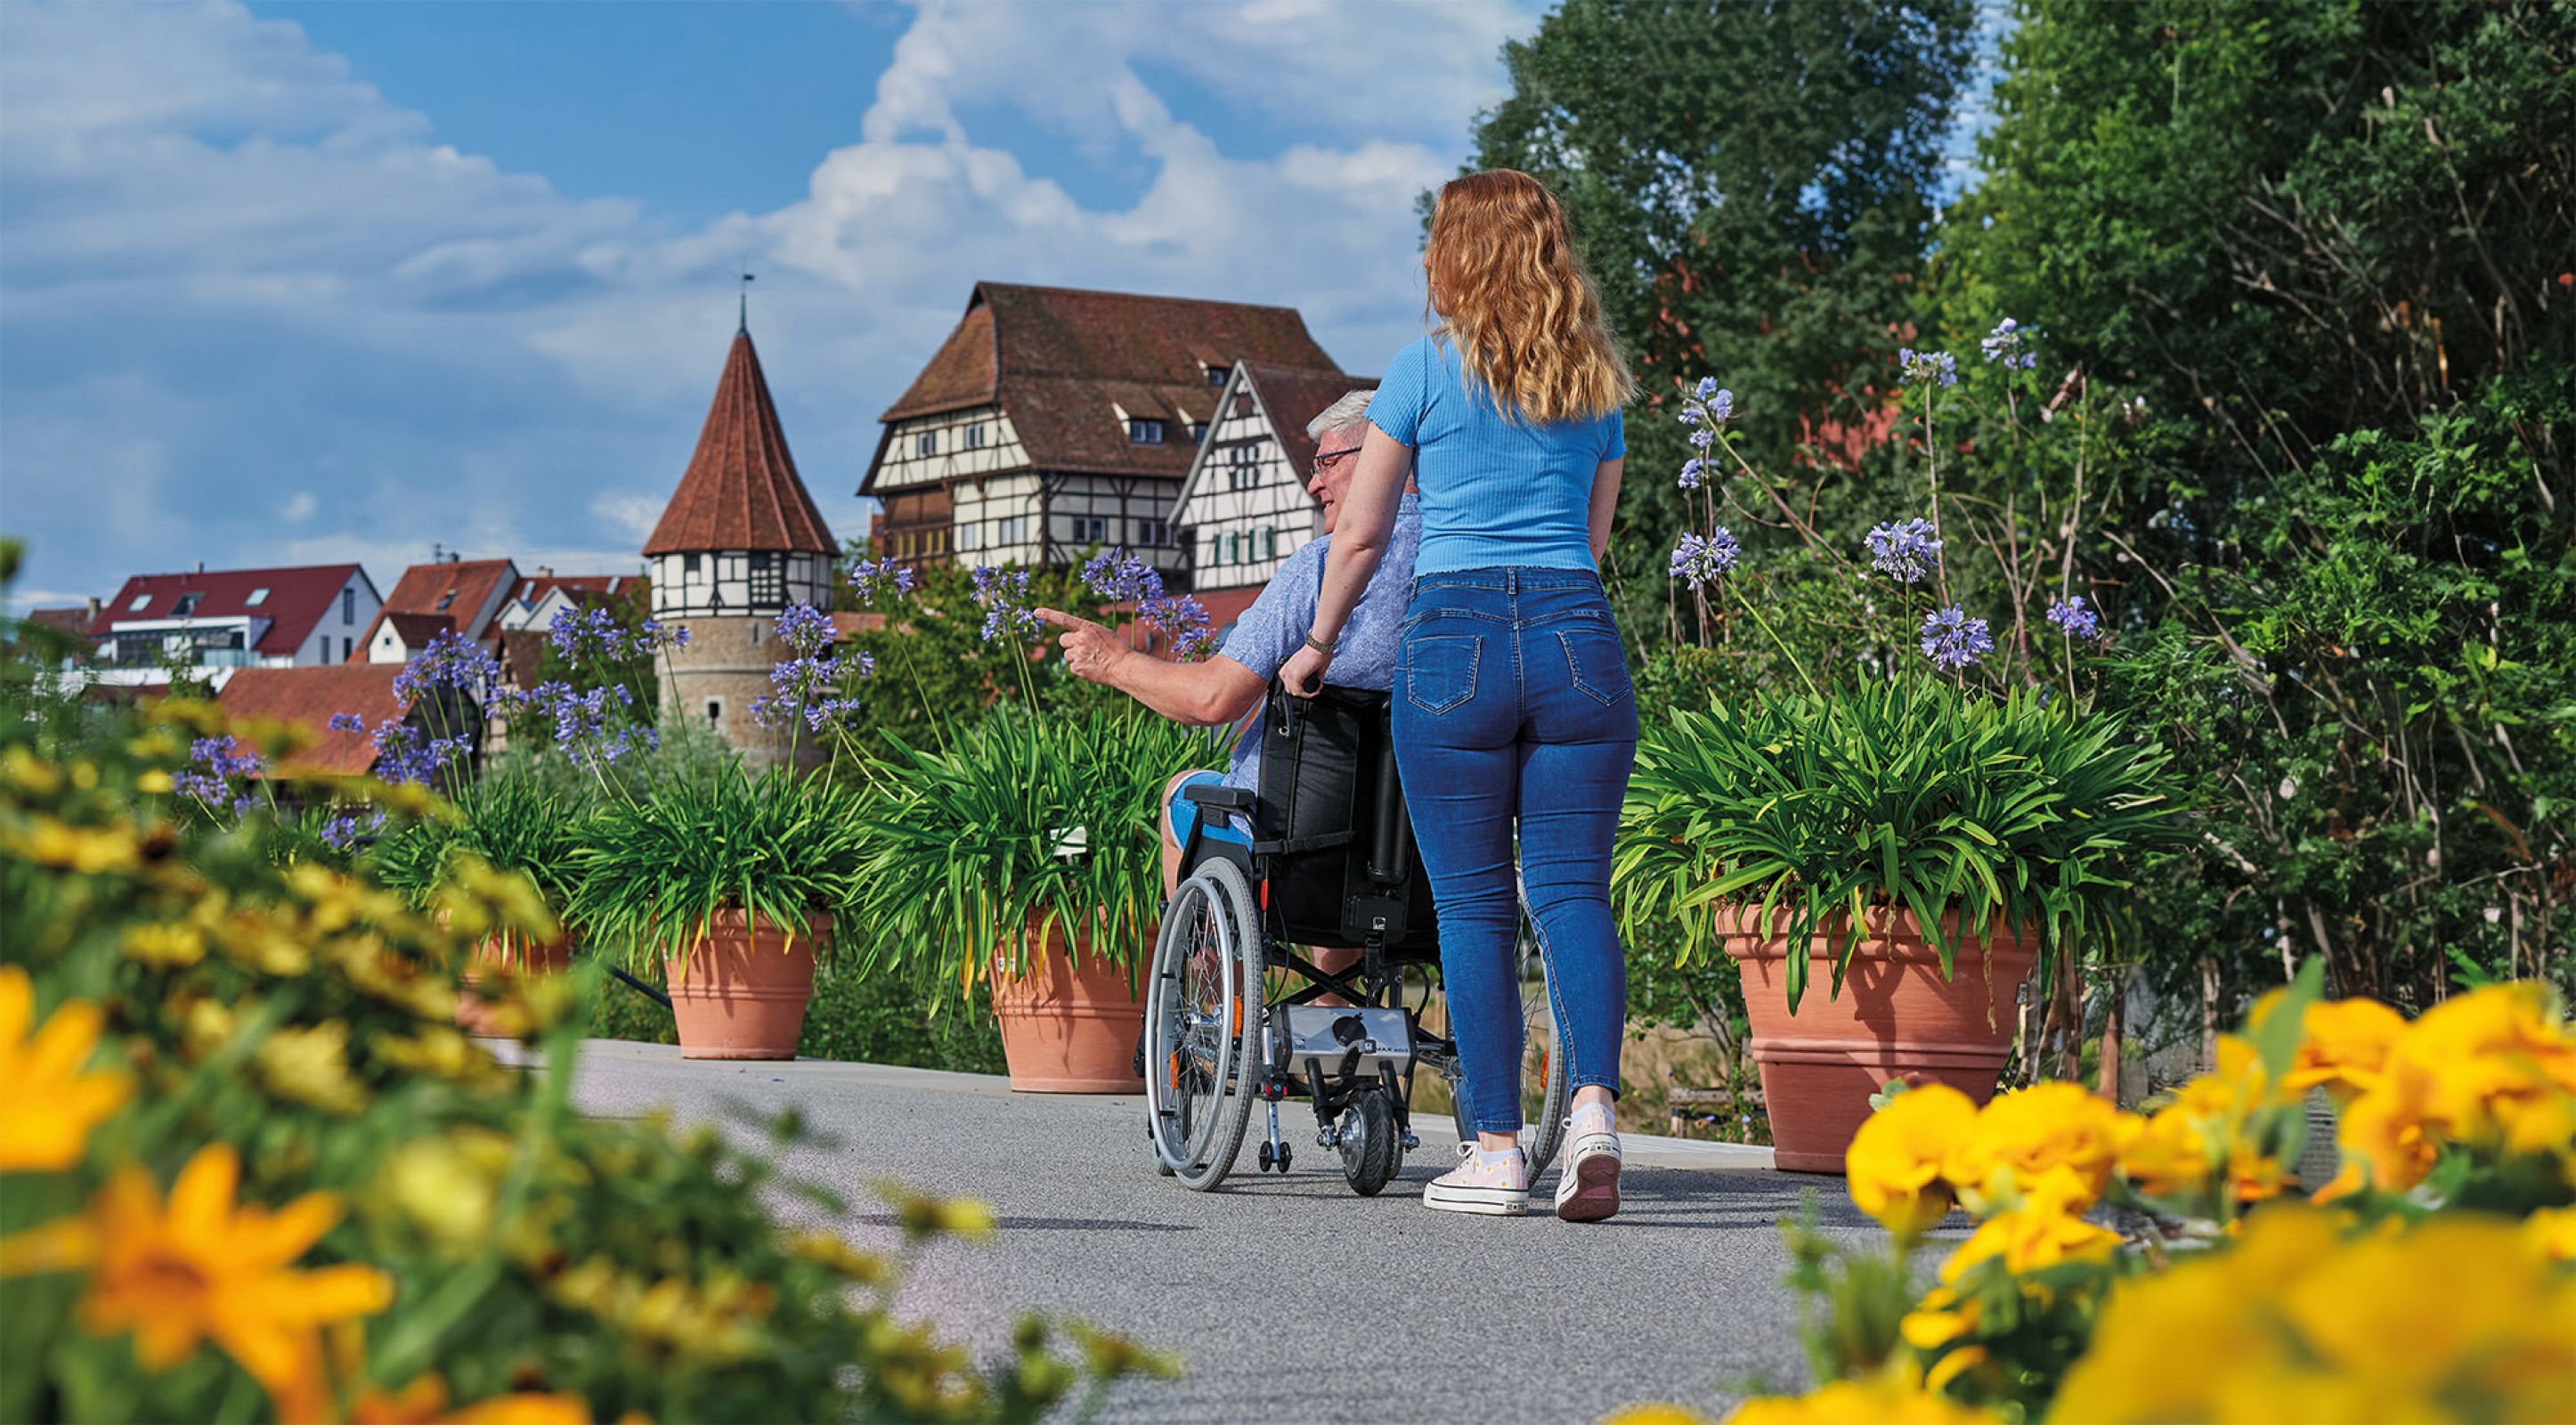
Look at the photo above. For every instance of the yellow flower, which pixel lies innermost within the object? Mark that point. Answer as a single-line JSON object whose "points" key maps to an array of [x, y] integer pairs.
{"points": [[2551, 1232], [1882, 1400], [52, 1104], [424, 1402], [1661, 1412], [2500, 1326], [88, 850], [1894, 1162], [25, 769], [311, 1066], [2498, 1058], [2042, 1232], [2020, 1137], [165, 945], [2343, 1045], [448, 1185], [1931, 1325], [866, 1268], [206, 1268], [2393, 1130]]}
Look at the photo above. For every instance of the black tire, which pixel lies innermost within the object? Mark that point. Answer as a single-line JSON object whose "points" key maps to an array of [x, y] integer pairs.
{"points": [[1370, 1151], [1204, 1026]]}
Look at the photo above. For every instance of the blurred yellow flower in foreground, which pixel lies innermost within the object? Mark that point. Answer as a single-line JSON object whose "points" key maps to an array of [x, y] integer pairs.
{"points": [[2343, 1045], [1661, 1412], [52, 1105], [424, 1402], [2044, 1231], [1894, 1163], [88, 850], [203, 1267], [1883, 1400], [2020, 1137]]}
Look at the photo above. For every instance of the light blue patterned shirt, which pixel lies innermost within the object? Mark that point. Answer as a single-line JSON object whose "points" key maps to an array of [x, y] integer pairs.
{"points": [[1275, 627]]}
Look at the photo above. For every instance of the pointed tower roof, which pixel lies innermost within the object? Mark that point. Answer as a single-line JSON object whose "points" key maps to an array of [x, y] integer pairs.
{"points": [[741, 490]]}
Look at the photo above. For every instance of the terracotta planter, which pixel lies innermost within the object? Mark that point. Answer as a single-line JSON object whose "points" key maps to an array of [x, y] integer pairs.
{"points": [[1896, 1019], [478, 1016], [744, 990], [1070, 1024]]}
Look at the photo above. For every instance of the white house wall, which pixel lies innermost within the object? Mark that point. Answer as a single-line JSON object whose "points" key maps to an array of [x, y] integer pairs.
{"points": [[953, 457], [718, 583], [981, 513], [335, 638], [1222, 507], [1112, 512]]}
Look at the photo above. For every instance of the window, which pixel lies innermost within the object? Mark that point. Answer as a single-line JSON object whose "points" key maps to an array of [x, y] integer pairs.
{"points": [[1217, 374], [1244, 468], [1014, 530], [975, 436], [970, 537], [768, 579], [1153, 532], [141, 602], [1142, 432], [257, 598], [1233, 549], [346, 648], [936, 541], [445, 599], [187, 605], [1090, 529], [715, 711], [926, 443], [1269, 543], [1198, 432], [348, 606], [688, 564]]}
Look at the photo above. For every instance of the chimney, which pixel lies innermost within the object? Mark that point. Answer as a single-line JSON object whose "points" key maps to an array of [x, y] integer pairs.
{"points": [[93, 606], [201, 566], [545, 571]]}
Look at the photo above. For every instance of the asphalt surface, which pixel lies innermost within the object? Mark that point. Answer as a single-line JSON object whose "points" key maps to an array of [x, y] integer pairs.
{"points": [[1288, 1298]]}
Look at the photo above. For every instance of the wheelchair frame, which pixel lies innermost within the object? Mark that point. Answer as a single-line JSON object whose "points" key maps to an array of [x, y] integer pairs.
{"points": [[1361, 1085]]}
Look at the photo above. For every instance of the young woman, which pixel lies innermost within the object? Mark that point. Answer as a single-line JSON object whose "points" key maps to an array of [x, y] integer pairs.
{"points": [[1512, 703]]}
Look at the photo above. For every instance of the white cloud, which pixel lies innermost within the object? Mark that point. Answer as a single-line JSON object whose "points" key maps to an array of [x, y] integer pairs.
{"points": [[242, 286]]}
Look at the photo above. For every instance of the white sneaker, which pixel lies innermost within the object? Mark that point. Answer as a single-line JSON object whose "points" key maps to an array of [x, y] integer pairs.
{"points": [[1588, 1189], [1496, 1185]]}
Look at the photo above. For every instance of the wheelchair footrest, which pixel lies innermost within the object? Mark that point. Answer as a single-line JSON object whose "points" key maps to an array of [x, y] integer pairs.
{"points": [[1346, 1040]]}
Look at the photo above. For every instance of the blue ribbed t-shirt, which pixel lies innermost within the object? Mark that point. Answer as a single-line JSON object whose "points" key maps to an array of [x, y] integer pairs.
{"points": [[1497, 491]]}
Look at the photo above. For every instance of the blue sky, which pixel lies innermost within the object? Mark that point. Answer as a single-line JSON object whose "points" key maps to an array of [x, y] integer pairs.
{"points": [[301, 282]]}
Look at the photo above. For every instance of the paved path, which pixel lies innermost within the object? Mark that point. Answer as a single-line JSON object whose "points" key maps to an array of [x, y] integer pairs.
{"points": [[1290, 1299]]}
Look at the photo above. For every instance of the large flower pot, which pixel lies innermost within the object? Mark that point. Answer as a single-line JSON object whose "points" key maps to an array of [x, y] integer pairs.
{"points": [[480, 1017], [1069, 1025], [1896, 1018], [743, 991]]}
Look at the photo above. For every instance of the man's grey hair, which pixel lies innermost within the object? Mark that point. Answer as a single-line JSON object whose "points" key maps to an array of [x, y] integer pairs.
{"points": [[1349, 411]]}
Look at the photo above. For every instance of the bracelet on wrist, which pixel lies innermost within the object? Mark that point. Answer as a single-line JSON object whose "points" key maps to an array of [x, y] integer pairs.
{"points": [[1320, 646]]}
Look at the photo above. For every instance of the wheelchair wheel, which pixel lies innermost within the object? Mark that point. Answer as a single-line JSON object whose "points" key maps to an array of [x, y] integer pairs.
{"points": [[1202, 1024], [1546, 1096], [1369, 1148]]}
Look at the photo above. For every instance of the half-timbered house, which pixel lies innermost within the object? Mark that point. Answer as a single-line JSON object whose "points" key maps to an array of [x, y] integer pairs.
{"points": [[1053, 421], [1244, 507]]}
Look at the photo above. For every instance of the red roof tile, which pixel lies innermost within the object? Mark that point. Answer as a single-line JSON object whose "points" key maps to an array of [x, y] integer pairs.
{"points": [[73, 620], [1062, 363], [741, 489], [536, 586], [296, 599], [309, 697], [455, 590]]}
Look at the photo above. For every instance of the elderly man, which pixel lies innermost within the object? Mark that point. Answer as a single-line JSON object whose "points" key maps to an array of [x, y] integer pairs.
{"points": [[1223, 689]]}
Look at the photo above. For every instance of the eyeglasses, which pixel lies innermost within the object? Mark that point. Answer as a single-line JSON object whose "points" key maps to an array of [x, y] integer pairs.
{"points": [[1325, 458]]}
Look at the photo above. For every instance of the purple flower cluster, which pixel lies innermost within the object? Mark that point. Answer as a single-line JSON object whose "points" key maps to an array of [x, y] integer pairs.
{"points": [[1952, 640], [593, 727], [1700, 561], [213, 762], [1004, 593], [1120, 577], [342, 831], [1183, 621], [870, 576], [1704, 409], [1923, 368], [1905, 551], [450, 661], [808, 685], [2006, 344], [406, 754], [2074, 617], [592, 634]]}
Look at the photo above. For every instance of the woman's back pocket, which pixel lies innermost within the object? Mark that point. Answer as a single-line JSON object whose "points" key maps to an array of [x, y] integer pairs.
{"points": [[1440, 670]]}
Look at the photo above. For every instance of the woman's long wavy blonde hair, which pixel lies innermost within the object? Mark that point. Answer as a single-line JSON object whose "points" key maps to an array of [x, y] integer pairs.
{"points": [[1507, 288]]}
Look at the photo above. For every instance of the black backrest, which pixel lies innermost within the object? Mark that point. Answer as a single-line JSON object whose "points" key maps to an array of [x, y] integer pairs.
{"points": [[1332, 828]]}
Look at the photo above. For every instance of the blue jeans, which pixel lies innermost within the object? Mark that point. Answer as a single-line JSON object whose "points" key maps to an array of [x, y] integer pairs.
{"points": [[1513, 706]]}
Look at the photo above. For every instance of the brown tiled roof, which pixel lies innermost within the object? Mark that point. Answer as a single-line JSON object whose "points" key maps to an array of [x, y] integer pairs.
{"points": [[741, 490], [1058, 360], [417, 631], [296, 600], [309, 697], [452, 590], [74, 620], [580, 586], [1293, 397]]}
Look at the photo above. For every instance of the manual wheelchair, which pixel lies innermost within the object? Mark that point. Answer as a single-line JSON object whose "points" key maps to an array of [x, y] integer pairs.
{"points": [[1232, 1013]]}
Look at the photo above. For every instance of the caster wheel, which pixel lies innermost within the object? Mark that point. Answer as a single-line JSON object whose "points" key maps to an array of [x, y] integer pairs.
{"points": [[1267, 1158], [1283, 1158]]}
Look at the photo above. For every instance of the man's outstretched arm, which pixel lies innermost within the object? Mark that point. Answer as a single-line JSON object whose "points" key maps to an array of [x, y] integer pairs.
{"points": [[1210, 694]]}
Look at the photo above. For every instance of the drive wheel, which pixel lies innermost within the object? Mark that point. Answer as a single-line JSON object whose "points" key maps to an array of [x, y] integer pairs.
{"points": [[1203, 1014], [1370, 1151]]}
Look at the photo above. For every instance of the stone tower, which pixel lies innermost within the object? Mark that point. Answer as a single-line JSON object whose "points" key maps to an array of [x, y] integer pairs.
{"points": [[740, 541]]}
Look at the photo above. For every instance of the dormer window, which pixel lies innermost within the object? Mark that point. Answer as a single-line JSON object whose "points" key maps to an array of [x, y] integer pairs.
{"points": [[1198, 432], [1143, 432], [1217, 374], [445, 599], [257, 598], [187, 605]]}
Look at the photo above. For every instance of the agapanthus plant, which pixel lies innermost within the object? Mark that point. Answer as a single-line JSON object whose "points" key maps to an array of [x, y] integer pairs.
{"points": [[1907, 551], [871, 579], [214, 777], [1952, 640], [807, 687]]}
